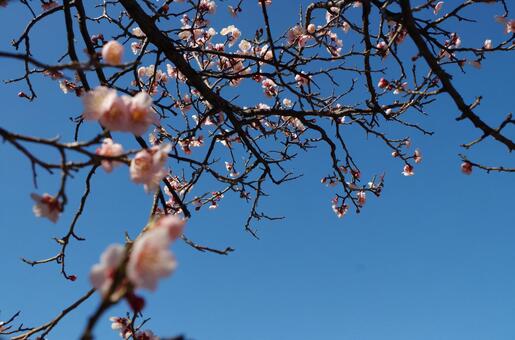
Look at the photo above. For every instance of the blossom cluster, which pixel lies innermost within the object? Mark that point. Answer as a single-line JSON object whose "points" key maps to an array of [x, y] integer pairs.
{"points": [[146, 261]]}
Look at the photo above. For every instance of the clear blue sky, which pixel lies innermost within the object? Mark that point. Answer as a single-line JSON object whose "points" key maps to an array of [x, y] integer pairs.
{"points": [[432, 259]]}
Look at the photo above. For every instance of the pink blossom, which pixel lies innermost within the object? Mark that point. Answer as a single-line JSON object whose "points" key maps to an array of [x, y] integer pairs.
{"points": [[244, 45], [510, 26], [302, 79], [345, 27], [103, 104], [121, 324], [146, 335], [401, 88], [136, 47], [150, 259], [109, 149], [361, 197], [207, 6], [133, 114], [311, 28], [269, 87], [466, 168], [438, 7], [232, 32], [475, 63], [287, 102], [138, 32], [383, 83], [147, 167], [46, 206], [487, 44], [46, 6], [112, 53], [141, 114], [382, 49], [408, 170], [172, 224], [331, 14], [418, 156], [102, 274], [339, 210]]}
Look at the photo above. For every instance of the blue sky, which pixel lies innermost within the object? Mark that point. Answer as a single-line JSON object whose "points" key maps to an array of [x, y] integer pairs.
{"points": [[432, 259]]}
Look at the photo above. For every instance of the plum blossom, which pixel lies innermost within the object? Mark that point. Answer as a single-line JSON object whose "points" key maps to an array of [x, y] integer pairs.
{"points": [[122, 325], [46, 6], [109, 149], [339, 210], [207, 6], [138, 32], [136, 47], [269, 87], [408, 170], [141, 114], [418, 156], [171, 224], [438, 7], [466, 167], [361, 195], [487, 44], [401, 88], [102, 274], [331, 14], [230, 167], [132, 114], [302, 79], [46, 206], [382, 49], [232, 32], [112, 53], [244, 45], [510, 27], [150, 259], [146, 335], [345, 27], [104, 105], [383, 83], [148, 166]]}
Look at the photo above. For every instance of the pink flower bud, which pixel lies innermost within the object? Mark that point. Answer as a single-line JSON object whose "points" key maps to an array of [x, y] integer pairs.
{"points": [[466, 168]]}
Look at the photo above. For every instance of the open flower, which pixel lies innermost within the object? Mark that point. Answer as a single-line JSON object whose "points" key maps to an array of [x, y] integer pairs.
{"points": [[102, 274], [123, 325], [112, 53], [150, 259], [232, 34], [147, 167], [46, 206], [172, 224], [104, 105], [109, 149], [125, 113], [141, 114]]}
